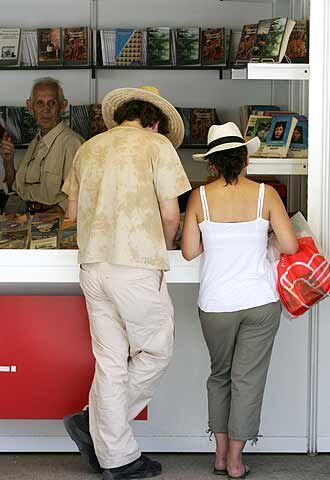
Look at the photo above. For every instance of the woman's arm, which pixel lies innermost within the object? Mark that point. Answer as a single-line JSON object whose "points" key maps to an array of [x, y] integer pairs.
{"points": [[191, 244], [281, 225]]}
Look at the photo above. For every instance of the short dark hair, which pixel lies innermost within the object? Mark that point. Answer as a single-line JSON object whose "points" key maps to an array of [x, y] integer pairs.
{"points": [[147, 113], [229, 163]]}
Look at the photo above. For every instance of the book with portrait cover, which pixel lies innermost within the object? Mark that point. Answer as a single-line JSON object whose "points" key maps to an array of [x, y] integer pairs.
{"points": [[188, 46], [76, 46], [10, 39], [258, 126], [298, 46], [159, 43], [128, 46], [272, 39], [49, 46], [214, 47], [246, 42], [299, 141], [279, 136]]}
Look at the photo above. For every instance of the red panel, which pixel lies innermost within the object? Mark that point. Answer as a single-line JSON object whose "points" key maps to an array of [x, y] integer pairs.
{"points": [[47, 339]]}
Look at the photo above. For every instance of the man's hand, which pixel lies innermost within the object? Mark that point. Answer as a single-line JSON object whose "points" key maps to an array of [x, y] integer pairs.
{"points": [[8, 152]]}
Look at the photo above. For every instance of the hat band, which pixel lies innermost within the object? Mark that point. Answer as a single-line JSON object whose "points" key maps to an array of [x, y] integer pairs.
{"points": [[221, 141]]}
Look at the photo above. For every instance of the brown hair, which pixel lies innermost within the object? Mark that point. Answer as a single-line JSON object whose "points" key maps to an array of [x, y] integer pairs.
{"points": [[147, 113], [229, 163]]}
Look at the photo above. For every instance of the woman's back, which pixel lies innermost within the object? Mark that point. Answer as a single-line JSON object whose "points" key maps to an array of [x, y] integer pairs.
{"points": [[236, 274]]}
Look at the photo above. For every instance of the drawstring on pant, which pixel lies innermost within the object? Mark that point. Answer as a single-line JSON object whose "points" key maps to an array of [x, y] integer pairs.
{"points": [[255, 440], [210, 434]]}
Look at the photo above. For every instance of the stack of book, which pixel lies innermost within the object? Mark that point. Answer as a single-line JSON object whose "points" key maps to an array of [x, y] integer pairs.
{"points": [[282, 133], [39, 231], [87, 120], [273, 39]]}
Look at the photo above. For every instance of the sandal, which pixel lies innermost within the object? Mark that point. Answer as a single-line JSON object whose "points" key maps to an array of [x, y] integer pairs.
{"points": [[218, 471]]}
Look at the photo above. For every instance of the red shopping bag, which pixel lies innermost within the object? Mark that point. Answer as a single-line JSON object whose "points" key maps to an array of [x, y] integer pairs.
{"points": [[304, 277]]}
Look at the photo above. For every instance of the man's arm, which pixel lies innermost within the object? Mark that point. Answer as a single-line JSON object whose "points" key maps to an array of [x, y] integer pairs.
{"points": [[8, 151], [72, 210], [170, 214]]}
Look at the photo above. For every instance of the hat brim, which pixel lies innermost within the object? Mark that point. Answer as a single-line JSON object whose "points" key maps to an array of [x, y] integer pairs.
{"points": [[252, 146], [117, 97]]}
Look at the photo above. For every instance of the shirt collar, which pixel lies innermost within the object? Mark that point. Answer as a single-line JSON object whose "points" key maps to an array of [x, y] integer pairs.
{"points": [[49, 138]]}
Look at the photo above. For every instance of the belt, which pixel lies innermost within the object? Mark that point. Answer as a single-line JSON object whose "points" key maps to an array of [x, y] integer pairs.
{"points": [[34, 207]]}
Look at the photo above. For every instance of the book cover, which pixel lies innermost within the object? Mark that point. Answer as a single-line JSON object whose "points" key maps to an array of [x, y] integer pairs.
{"points": [[13, 222], [68, 235], [15, 121], [44, 230], [49, 46], [279, 136], [76, 46], [128, 46], [244, 51], [299, 141], [261, 39], [258, 126], [79, 120], [214, 46], [201, 121], [272, 49], [13, 239], [10, 46], [97, 124], [30, 127], [188, 46], [159, 46], [298, 46]]}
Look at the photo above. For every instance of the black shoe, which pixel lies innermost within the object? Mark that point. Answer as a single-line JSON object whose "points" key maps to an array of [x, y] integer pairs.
{"points": [[77, 426], [143, 467]]}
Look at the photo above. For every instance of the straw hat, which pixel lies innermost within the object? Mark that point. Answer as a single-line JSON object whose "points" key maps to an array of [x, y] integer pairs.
{"points": [[225, 137], [117, 97]]}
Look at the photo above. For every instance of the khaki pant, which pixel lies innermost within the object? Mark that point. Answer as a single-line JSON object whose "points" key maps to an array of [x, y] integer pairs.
{"points": [[131, 323], [240, 346]]}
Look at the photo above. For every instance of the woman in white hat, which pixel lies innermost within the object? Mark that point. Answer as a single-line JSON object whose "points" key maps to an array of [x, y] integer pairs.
{"points": [[228, 221]]}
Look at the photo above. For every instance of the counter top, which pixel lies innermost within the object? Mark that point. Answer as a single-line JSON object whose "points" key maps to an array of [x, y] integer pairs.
{"points": [[56, 272]]}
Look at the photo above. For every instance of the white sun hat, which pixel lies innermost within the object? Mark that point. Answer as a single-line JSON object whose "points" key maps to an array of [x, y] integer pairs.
{"points": [[225, 137], [150, 94]]}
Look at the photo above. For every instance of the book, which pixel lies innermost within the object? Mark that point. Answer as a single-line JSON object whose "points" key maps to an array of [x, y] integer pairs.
{"points": [[14, 231], [128, 46], [247, 110], [271, 39], [299, 141], [298, 46], [49, 46], [244, 51], [44, 230], [68, 235], [79, 120], [30, 127], [214, 47], [14, 222], [97, 124], [10, 39], [279, 136], [258, 126], [15, 121], [197, 122], [159, 46], [188, 46], [76, 46]]}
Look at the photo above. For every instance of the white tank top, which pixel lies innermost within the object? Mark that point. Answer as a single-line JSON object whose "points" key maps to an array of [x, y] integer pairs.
{"points": [[235, 274]]}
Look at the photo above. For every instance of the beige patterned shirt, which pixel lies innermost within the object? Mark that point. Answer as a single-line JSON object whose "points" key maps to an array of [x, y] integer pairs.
{"points": [[46, 164], [118, 178]]}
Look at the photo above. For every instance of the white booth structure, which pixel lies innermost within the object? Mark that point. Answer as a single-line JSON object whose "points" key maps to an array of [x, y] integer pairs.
{"points": [[296, 412]]}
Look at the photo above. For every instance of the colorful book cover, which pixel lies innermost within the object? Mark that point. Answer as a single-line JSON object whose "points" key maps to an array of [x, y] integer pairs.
{"points": [[298, 46], [244, 51], [275, 36], [49, 46], [76, 46], [159, 46], [128, 45], [14, 239], [261, 39], [15, 121], [44, 230], [299, 141], [188, 46], [9, 46], [258, 126], [279, 136], [214, 46], [68, 235], [14, 222]]}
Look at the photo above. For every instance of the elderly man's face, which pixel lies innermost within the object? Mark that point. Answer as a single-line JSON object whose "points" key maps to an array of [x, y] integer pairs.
{"points": [[46, 107]]}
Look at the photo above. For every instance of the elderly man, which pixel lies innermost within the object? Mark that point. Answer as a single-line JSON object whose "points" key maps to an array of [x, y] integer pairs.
{"points": [[124, 186], [47, 162]]}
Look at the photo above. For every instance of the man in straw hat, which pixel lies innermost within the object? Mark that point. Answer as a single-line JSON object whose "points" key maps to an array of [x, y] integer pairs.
{"points": [[124, 186]]}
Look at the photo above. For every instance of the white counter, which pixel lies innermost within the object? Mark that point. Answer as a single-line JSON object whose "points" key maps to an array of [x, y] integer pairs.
{"points": [[56, 272]]}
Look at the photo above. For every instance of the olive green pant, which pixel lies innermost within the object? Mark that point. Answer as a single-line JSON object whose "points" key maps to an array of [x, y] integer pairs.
{"points": [[240, 346]]}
